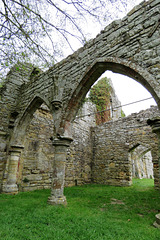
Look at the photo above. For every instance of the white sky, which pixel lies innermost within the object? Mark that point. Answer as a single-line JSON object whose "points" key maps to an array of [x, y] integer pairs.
{"points": [[128, 91]]}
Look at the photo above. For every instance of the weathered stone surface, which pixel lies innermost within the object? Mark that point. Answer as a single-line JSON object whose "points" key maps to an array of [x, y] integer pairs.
{"points": [[113, 144], [112, 153], [78, 165], [157, 222], [129, 46], [36, 164]]}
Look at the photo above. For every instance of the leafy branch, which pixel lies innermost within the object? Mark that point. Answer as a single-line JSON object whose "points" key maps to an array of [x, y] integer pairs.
{"points": [[40, 31]]}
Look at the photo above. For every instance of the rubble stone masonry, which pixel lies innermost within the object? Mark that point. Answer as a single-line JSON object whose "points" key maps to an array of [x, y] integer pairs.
{"points": [[98, 154], [114, 141], [128, 46]]}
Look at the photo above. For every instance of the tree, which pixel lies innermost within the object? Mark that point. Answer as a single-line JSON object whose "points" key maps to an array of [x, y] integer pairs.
{"points": [[40, 31], [100, 96]]}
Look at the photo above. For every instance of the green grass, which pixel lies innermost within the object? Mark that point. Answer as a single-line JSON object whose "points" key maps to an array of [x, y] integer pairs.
{"points": [[94, 212]]}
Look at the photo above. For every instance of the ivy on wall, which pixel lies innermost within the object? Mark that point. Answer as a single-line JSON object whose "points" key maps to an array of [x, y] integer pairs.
{"points": [[122, 114], [100, 96]]}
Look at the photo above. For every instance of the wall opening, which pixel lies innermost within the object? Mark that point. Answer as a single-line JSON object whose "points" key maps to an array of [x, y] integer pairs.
{"points": [[95, 72], [132, 75], [141, 162]]}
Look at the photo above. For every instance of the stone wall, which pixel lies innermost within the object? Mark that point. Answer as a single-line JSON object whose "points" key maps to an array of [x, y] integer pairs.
{"points": [[129, 46], [115, 140], [36, 166], [78, 167], [111, 153], [3, 138], [115, 112], [19, 74], [125, 46]]}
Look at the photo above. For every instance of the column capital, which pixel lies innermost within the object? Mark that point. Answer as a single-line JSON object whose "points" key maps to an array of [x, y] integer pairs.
{"points": [[57, 104], [155, 124], [16, 148], [62, 141]]}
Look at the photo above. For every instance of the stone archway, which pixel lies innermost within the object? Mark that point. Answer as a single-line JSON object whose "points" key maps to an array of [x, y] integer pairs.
{"points": [[141, 161], [129, 46], [116, 65], [16, 147]]}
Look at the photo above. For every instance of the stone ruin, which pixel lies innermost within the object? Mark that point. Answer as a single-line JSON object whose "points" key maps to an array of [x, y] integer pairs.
{"points": [[90, 158], [129, 46]]}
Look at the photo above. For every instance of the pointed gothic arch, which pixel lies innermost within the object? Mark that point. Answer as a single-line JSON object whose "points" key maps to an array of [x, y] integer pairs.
{"points": [[24, 120], [92, 74]]}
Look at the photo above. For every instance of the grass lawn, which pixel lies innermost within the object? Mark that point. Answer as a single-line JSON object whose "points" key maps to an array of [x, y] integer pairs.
{"points": [[93, 212]]}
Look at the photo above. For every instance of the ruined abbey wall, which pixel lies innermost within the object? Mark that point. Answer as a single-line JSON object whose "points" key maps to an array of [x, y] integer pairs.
{"points": [[129, 46], [20, 74], [99, 154], [79, 160], [36, 163], [114, 141]]}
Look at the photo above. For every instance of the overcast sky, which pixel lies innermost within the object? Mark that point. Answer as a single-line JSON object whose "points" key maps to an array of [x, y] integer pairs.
{"points": [[128, 91]]}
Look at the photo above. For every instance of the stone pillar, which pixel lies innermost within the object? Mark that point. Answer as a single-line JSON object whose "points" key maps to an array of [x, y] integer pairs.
{"points": [[3, 137], [155, 124], [57, 188], [14, 156]]}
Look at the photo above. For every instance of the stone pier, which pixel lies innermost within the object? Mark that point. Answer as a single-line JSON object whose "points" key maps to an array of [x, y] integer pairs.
{"points": [[14, 156], [57, 188], [155, 124]]}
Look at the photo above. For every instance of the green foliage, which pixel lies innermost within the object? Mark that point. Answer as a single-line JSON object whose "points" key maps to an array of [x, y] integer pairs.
{"points": [[122, 113], [25, 180], [89, 215], [100, 96], [99, 92]]}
